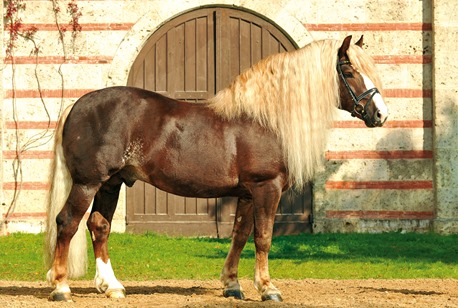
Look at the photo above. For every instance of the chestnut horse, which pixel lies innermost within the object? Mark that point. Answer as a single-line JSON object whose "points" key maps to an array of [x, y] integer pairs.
{"points": [[254, 140]]}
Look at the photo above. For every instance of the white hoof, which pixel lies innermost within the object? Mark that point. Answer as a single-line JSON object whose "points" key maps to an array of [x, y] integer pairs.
{"points": [[115, 293], [106, 282]]}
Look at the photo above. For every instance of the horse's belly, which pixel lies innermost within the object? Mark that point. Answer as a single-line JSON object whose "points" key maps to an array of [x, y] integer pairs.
{"points": [[195, 184], [201, 175]]}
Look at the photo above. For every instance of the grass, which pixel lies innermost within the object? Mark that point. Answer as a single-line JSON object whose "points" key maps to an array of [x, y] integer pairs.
{"points": [[334, 256]]}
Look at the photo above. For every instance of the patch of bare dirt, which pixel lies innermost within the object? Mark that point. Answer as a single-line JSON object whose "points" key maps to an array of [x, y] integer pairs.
{"points": [[194, 293]]}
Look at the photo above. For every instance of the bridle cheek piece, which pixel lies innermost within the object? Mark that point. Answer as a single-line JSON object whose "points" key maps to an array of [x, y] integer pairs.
{"points": [[358, 108]]}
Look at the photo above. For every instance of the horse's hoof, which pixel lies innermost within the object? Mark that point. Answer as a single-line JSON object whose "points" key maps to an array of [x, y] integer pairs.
{"points": [[237, 294], [115, 293], [272, 297], [60, 297]]}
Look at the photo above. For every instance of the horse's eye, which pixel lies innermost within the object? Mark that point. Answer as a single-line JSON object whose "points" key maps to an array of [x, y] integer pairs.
{"points": [[348, 75]]}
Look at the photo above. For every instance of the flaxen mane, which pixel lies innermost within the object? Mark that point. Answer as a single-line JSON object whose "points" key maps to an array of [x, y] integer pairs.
{"points": [[294, 94]]}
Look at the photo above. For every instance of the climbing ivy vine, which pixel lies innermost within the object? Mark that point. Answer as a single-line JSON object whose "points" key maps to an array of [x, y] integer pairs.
{"points": [[16, 32]]}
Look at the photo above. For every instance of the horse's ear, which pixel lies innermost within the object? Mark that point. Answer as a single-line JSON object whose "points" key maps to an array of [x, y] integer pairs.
{"points": [[343, 49], [360, 42]]}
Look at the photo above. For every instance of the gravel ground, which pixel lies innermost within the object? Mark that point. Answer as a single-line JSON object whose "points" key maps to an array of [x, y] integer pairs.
{"points": [[208, 293]]}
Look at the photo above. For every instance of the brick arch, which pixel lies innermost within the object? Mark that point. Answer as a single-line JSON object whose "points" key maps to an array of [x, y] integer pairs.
{"points": [[229, 40], [137, 37], [157, 14]]}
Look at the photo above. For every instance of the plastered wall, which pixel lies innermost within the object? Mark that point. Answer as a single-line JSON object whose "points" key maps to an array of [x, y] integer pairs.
{"points": [[402, 177]]}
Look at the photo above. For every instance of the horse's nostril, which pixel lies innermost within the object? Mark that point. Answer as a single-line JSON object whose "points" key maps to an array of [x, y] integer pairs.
{"points": [[377, 115], [379, 118]]}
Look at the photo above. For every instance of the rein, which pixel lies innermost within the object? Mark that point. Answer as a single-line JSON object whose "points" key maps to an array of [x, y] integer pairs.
{"points": [[358, 108]]}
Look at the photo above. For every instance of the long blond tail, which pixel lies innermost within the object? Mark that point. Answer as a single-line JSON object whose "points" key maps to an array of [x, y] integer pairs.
{"points": [[61, 183]]}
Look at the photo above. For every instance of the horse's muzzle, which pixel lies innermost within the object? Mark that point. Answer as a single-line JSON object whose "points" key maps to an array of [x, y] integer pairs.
{"points": [[377, 119]]}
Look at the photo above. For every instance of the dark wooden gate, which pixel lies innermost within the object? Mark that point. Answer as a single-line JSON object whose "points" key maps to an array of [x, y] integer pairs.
{"points": [[191, 58]]}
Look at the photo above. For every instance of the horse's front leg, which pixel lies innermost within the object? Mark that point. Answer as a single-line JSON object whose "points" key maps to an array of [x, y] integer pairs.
{"points": [[266, 198], [243, 226], [67, 220], [99, 225]]}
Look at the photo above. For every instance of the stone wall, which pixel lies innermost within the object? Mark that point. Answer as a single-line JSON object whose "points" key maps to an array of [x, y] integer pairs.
{"points": [[445, 116], [399, 177]]}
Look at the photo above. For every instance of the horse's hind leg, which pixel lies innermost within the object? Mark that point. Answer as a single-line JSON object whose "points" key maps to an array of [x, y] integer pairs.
{"points": [[243, 226], [99, 225], [67, 220]]}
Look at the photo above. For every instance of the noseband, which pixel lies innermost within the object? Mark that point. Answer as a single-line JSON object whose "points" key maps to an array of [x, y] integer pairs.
{"points": [[358, 108]]}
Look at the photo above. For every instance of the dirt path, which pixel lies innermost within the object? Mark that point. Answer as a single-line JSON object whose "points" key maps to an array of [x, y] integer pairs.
{"points": [[193, 293]]}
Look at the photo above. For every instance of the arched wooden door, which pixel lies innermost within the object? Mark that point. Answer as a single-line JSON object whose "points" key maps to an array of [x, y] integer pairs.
{"points": [[191, 58]]}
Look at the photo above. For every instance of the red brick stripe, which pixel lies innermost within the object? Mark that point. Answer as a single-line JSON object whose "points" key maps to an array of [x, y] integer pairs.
{"points": [[379, 185], [382, 59], [336, 124], [29, 154], [33, 215], [55, 93], [60, 60], [26, 215], [71, 93], [30, 124], [388, 124], [369, 27], [310, 27], [381, 214], [84, 26], [329, 185], [409, 124], [26, 186], [403, 59], [330, 155], [408, 93], [338, 155]]}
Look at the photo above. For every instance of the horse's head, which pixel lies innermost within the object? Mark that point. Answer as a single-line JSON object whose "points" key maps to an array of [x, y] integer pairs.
{"points": [[358, 94]]}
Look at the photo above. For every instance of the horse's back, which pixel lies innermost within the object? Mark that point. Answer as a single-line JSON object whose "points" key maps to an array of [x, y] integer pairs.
{"points": [[118, 108], [116, 102]]}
